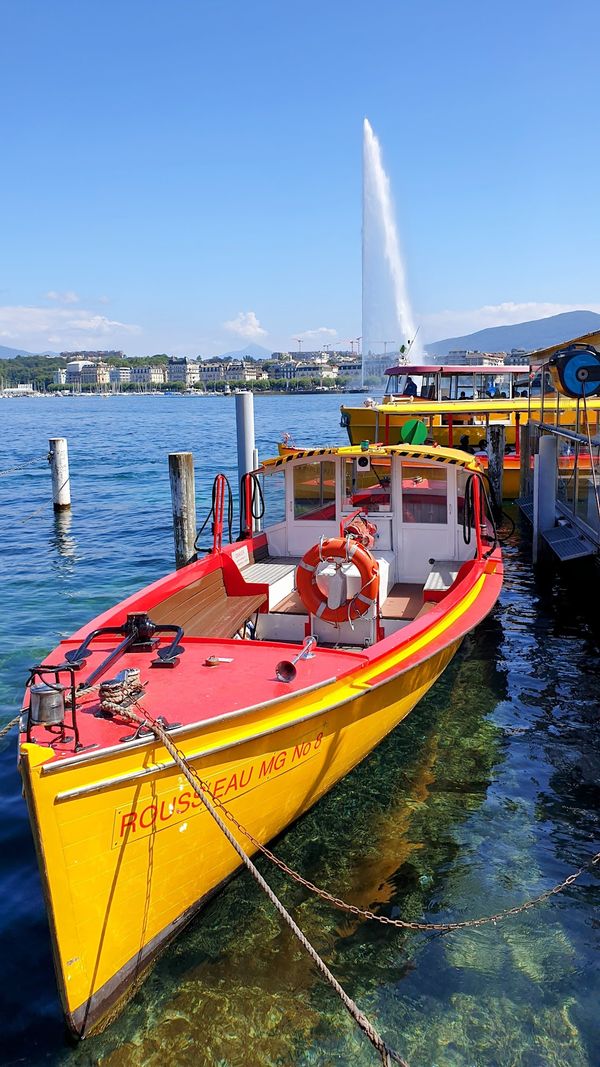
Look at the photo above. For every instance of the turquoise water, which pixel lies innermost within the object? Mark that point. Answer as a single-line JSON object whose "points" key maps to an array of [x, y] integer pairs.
{"points": [[487, 795]]}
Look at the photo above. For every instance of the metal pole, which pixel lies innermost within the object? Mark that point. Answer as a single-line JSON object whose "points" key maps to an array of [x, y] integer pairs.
{"points": [[58, 457], [496, 439], [183, 498], [544, 510], [256, 523], [244, 418]]}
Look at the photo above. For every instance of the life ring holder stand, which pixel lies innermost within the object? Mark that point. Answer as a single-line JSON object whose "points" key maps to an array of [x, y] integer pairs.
{"points": [[346, 550]]}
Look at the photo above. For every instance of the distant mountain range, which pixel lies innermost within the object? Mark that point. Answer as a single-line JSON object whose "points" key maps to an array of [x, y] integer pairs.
{"points": [[251, 351], [12, 353], [539, 333]]}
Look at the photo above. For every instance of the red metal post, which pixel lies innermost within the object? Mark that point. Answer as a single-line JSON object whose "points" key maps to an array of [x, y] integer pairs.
{"points": [[248, 487], [478, 516], [219, 511], [517, 434]]}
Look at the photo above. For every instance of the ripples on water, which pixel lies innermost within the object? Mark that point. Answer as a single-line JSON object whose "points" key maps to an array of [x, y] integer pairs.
{"points": [[488, 794]]}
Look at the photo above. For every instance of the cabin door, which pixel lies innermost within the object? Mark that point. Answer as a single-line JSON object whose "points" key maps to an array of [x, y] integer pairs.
{"points": [[427, 515]]}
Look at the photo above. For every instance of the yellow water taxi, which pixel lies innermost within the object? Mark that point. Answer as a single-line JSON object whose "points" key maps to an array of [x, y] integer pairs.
{"points": [[275, 664], [459, 404]]}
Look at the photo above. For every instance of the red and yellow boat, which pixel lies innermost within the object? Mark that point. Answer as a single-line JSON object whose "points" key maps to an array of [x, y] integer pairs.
{"points": [[275, 663]]}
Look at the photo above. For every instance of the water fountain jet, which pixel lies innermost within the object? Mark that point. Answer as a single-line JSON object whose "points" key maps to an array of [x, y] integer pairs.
{"points": [[386, 310]]}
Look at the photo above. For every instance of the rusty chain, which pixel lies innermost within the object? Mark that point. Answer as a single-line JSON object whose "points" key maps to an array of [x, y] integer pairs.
{"points": [[366, 913]]}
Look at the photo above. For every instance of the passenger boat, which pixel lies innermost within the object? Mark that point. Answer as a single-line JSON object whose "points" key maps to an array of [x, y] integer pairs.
{"points": [[459, 404], [276, 663]]}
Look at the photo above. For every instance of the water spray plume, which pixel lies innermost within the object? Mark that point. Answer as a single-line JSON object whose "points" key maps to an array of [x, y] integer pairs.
{"points": [[386, 307]]}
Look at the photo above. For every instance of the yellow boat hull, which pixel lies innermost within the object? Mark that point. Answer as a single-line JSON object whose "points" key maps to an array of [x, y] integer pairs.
{"points": [[128, 853]]}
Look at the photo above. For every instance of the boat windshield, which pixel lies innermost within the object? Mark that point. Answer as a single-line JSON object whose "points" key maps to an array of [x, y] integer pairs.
{"points": [[536, 384], [418, 385], [464, 383], [273, 487], [477, 385], [367, 484], [314, 491], [424, 494]]}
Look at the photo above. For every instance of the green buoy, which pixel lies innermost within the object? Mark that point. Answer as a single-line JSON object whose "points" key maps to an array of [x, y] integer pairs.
{"points": [[413, 432]]}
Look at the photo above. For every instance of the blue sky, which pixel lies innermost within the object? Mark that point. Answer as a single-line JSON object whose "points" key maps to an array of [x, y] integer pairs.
{"points": [[185, 176]]}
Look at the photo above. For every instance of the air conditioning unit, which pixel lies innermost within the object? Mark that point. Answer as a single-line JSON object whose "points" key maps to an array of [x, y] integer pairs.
{"points": [[363, 463]]}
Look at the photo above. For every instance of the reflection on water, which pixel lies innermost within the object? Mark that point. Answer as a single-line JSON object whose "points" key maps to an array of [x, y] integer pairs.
{"points": [[62, 541], [485, 796]]}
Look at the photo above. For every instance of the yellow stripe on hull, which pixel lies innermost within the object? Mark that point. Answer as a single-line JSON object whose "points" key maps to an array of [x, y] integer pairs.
{"points": [[127, 851]]}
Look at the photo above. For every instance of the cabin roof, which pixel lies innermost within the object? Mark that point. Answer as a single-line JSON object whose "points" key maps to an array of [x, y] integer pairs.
{"points": [[456, 368], [425, 452], [543, 355], [502, 408]]}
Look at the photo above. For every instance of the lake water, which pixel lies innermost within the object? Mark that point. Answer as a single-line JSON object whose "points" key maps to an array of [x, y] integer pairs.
{"points": [[487, 795]]}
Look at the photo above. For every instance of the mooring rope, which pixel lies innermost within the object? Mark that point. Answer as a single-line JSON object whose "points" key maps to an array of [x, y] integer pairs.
{"points": [[6, 729], [388, 1055], [23, 466]]}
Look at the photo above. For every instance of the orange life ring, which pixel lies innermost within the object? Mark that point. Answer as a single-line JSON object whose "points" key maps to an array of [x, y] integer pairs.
{"points": [[348, 550]]}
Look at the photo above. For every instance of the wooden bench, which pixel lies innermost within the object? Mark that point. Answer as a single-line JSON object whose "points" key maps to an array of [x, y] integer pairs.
{"points": [[203, 608]]}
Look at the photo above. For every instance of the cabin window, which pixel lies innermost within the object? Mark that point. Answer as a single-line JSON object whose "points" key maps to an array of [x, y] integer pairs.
{"points": [[370, 489], [274, 495], [461, 482], [424, 494], [314, 491]]}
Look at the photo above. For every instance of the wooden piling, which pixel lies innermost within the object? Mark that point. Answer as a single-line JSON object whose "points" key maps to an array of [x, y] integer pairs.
{"points": [[58, 457], [496, 441], [183, 498]]}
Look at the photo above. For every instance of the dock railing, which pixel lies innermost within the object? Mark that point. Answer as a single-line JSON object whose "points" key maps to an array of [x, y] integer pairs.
{"points": [[566, 491]]}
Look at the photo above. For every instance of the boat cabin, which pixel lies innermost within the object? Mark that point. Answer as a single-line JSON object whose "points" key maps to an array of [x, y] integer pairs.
{"points": [[413, 500], [430, 382]]}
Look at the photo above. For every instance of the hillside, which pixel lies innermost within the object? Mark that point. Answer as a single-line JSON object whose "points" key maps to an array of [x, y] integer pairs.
{"points": [[251, 351], [12, 353], [538, 333]]}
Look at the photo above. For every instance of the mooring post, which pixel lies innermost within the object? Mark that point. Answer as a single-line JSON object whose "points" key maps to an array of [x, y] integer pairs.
{"points": [[183, 498], [244, 420], [544, 490], [58, 458], [496, 439]]}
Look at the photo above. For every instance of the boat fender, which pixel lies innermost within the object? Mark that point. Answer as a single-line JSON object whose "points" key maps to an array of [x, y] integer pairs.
{"points": [[337, 550]]}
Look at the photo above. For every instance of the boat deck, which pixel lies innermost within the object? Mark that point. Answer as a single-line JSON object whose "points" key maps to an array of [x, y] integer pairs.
{"points": [[193, 692]]}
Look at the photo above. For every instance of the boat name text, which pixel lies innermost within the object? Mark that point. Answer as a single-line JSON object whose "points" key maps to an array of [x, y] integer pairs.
{"points": [[173, 803]]}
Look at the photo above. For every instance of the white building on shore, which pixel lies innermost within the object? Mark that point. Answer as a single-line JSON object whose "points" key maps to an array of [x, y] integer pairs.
{"points": [[183, 371]]}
